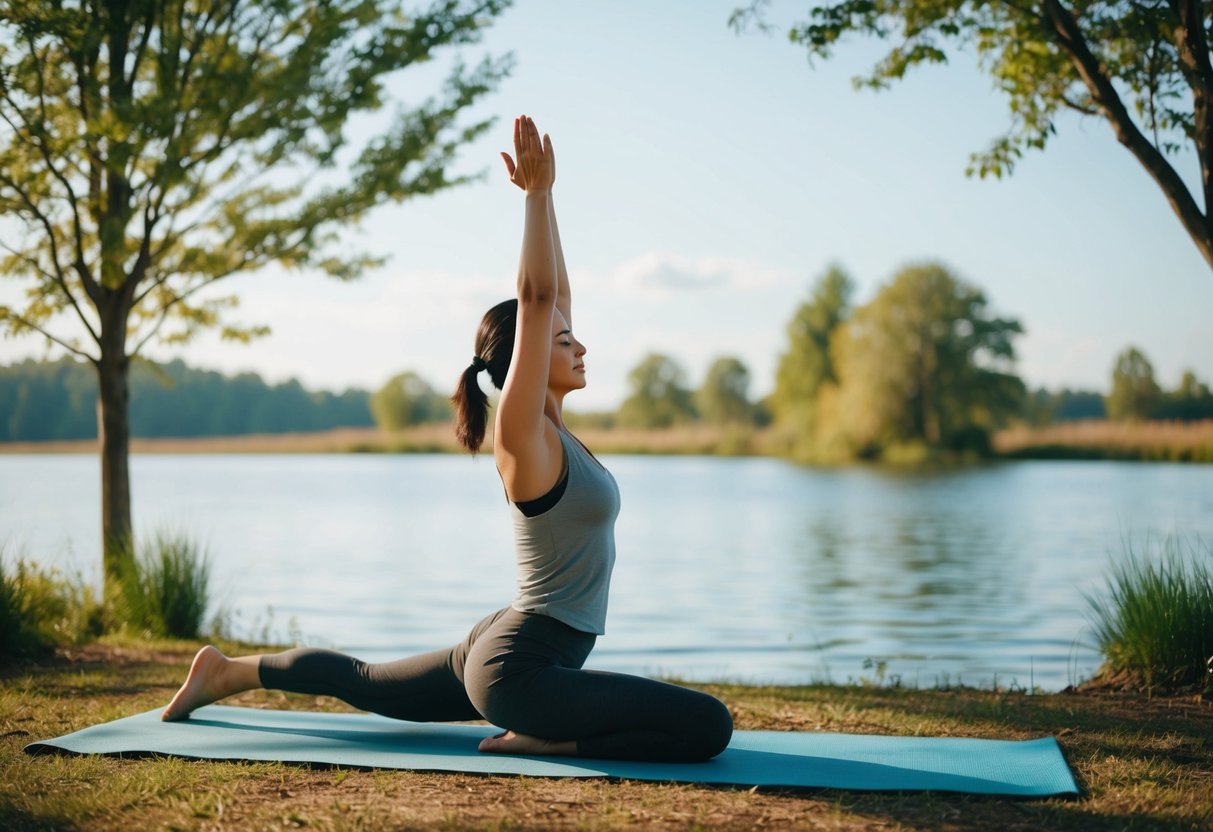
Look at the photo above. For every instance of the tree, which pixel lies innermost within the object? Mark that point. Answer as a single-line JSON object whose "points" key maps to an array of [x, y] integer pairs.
{"points": [[659, 397], [1189, 402], [923, 362], [408, 399], [806, 365], [1143, 67], [1135, 394], [724, 397], [151, 148]]}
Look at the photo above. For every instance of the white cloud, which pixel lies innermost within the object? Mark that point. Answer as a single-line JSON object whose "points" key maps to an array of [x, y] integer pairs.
{"points": [[664, 273]]}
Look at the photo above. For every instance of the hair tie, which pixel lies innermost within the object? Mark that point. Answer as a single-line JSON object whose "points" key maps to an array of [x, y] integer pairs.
{"points": [[479, 364]]}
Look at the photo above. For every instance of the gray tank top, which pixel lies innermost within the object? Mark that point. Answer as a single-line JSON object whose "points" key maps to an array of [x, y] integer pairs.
{"points": [[566, 554]]}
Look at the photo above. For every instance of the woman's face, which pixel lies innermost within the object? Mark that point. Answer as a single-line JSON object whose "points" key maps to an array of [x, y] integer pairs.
{"points": [[567, 369]]}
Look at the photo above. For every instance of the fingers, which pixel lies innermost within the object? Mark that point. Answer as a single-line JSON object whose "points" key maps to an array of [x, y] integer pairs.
{"points": [[509, 163], [527, 132]]}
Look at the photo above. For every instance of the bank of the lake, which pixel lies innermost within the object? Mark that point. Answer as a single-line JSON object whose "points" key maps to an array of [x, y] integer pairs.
{"points": [[1082, 440], [1140, 764]]}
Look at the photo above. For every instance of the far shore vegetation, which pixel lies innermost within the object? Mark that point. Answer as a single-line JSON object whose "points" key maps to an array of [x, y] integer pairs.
{"points": [[1093, 439]]}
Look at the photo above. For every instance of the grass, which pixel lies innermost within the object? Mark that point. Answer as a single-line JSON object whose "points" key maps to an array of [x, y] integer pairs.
{"points": [[165, 589], [40, 608], [1154, 620], [1141, 764]]}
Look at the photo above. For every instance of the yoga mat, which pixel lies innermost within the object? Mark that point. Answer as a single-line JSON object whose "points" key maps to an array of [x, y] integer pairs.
{"points": [[754, 758]]}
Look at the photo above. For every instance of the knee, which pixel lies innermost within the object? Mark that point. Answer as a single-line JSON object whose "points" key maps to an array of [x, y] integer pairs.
{"points": [[715, 729]]}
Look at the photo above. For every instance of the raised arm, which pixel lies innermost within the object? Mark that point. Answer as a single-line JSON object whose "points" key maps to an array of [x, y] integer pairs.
{"points": [[521, 446], [564, 298]]}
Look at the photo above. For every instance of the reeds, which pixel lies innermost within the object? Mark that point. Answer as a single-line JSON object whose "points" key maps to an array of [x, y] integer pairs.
{"points": [[1154, 621], [1098, 439], [165, 588]]}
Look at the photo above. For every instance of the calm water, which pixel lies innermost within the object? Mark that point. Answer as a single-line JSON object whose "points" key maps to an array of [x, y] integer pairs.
{"points": [[749, 569]]}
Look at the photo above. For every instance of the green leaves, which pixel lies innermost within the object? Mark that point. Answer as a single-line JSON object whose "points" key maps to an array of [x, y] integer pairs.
{"points": [[658, 394], [922, 363], [154, 147], [1142, 67]]}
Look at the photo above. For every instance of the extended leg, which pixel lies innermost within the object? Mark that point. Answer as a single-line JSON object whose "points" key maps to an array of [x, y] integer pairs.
{"points": [[212, 676], [425, 688]]}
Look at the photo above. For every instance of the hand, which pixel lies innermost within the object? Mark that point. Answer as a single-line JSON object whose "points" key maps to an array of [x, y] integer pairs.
{"points": [[536, 167]]}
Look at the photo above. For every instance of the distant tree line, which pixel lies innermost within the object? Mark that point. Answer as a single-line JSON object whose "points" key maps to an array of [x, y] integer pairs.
{"points": [[920, 370], [58, 400]]}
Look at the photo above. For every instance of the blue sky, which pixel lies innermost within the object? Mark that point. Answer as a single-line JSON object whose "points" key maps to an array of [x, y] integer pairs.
{"points": [[705, 181]]}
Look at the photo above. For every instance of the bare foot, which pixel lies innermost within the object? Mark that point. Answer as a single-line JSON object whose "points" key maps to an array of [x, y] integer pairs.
{"points": [[511, 743], [201, 687]]}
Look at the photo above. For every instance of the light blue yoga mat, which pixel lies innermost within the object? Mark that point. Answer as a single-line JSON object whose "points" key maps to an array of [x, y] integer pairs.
{"points": [[1033, 768]]}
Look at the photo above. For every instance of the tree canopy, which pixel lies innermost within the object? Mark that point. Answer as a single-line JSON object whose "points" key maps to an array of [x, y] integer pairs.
{"points": [[408, 399], [924, 362], [1143, 67], [1135, 394], [723, 398], [806, 365], [658, 395]]}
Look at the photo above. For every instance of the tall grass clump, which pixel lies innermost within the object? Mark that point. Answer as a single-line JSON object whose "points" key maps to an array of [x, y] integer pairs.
{"points": [[1154, 620], [165, 587], [41, 607]]}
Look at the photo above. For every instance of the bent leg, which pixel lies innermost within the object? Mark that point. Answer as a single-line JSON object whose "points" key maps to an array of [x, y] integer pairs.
{"points": [[525, 675], [615, 716]]}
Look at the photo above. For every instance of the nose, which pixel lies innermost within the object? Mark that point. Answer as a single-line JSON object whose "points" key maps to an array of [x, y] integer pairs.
{"points": [[580, 349]]}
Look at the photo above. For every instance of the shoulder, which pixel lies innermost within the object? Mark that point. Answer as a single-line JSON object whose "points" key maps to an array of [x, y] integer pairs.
{"points": [[530, 472]]}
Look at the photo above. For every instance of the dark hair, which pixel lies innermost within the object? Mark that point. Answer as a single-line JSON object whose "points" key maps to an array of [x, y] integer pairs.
{"points": [[494, 348]]}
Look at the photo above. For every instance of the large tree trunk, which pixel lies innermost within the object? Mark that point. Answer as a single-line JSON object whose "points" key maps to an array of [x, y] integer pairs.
{"points": [[113, 428]]}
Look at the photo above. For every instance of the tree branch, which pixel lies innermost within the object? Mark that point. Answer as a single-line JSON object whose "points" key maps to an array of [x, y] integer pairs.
{"points": [[78, 231], [13, 316], [1194, 57], [1070, 38], [48, 275], [169, 306], [42, 218]]}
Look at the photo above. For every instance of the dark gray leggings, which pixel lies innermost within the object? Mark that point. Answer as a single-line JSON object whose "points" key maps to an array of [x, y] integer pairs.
{"points": [[520, 671]]}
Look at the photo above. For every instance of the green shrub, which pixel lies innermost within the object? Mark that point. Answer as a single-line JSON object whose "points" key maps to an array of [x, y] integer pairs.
{"points": [[1154, 621], [164, 589], [40, 608]]}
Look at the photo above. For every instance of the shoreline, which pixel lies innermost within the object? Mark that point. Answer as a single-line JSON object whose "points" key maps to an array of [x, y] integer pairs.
{"points": [[1089, 440]]}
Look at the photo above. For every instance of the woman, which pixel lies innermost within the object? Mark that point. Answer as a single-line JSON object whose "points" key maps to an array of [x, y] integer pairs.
{"points": [[519, 668]]}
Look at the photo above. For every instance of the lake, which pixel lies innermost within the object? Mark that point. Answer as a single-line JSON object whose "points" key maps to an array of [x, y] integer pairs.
{"points": [[751, 570]]}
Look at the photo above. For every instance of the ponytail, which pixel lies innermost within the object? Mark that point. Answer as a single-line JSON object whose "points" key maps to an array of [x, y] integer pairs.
{"points": [[471, 410], [494, 349]]}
